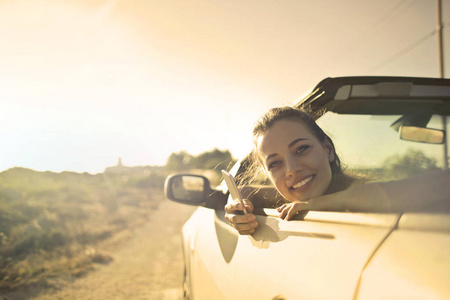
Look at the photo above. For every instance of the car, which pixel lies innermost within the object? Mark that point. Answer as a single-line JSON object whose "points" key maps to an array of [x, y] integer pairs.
{"points": [[385, 128]]}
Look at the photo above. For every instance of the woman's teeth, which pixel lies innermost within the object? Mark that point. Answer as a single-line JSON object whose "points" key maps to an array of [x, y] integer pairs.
{"points": [[302, 183]]}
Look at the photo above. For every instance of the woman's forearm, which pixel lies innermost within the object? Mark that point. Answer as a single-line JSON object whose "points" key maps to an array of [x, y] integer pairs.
{"points": [[430, 191]]}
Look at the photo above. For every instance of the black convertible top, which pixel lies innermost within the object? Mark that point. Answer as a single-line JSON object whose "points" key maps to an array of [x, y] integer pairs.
{"points": [[381, 95]]}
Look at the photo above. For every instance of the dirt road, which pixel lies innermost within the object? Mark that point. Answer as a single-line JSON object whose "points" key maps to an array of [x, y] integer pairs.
{"points": [[148, 266]]}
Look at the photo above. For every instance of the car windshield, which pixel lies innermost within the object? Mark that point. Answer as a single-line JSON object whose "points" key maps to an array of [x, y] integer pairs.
{"points": [[369, 144]]}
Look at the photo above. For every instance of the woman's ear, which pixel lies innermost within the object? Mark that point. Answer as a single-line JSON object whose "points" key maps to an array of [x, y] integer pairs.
{"points": [[328, 146]]}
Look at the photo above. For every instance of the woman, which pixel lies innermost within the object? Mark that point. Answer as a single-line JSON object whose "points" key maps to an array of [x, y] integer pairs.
{"points": [[301, 162]]}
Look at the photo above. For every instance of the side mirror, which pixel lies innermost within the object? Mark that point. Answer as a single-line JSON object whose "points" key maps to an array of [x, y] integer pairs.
{"points": [[421, 134], [187, 189]]}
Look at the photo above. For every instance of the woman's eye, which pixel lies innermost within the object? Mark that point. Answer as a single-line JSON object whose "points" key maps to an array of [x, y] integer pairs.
{"points": [[273, 164], [302, 149]]}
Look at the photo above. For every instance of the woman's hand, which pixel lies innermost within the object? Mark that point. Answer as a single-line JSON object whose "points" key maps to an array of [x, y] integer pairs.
{"points": [[244, 224], [368, 197], [332, 202], [289, 210]]}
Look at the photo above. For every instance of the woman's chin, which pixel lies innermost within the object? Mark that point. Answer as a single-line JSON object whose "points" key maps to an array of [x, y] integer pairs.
{"points": [[305, 196]]}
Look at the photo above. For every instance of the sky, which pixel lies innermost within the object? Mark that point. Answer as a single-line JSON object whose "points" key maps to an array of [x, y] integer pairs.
{"points": [[84, 82]]}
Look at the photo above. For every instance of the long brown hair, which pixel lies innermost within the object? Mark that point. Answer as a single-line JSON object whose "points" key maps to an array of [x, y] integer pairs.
{"points": [[339, 181]]}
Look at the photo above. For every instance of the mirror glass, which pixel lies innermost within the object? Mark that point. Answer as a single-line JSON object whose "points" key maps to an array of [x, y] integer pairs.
{"points": [[188, 187], [420, 134]]}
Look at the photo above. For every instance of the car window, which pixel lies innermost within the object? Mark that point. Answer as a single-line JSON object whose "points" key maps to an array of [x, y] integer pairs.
{"points": [[369, 145]]}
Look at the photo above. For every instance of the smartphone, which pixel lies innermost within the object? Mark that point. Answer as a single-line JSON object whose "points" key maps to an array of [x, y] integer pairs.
{"points": [[232, 187]]}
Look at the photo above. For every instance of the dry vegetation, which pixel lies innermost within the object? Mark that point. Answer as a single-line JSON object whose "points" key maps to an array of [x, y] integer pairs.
{"points": [[55, 225], [61, 224]]}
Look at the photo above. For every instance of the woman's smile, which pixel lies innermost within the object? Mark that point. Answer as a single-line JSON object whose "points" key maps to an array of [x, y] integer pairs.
{"points": [[303, 184]]}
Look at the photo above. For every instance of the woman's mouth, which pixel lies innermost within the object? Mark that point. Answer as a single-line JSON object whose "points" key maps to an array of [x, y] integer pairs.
{"points": [[302, 183]]}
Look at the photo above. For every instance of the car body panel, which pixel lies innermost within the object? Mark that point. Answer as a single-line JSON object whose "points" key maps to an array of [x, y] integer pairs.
{"points": [[425, 222], [413, 263], [269, 262]]}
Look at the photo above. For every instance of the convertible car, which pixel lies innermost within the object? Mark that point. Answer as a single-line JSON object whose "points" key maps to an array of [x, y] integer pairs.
{"points": [[386, 128]]}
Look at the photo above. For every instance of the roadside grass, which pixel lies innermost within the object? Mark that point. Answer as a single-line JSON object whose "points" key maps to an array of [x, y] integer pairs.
{"points": [[62, 224]]}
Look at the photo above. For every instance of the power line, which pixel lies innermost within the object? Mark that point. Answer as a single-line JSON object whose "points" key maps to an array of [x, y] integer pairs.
{"points": [[393, 12], [383, 19], [397, 9], [402, 52], [407, 49]]}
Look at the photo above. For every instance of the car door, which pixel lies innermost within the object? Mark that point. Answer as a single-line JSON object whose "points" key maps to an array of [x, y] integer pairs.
{"points": [[320, 257]]}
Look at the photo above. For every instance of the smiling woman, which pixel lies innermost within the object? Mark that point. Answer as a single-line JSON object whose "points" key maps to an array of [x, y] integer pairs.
{"points": [[300, 161]]}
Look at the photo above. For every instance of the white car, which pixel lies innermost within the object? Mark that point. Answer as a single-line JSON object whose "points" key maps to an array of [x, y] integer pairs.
{"points": [[385, 127]]}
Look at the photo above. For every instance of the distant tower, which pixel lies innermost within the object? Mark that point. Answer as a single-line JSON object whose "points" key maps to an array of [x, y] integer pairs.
{"points": [[119, 163]]}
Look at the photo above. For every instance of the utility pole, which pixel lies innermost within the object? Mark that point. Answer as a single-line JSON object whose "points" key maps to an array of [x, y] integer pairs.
{"points": [[440, 45]]}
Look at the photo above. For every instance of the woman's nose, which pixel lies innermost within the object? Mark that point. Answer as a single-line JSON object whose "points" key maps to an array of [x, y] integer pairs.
{"points": [[292, 167]]}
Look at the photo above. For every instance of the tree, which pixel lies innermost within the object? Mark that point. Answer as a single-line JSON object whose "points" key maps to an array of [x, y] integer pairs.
{"points": [[409, 164], [179, 161], [213, 160], [210, 160]]}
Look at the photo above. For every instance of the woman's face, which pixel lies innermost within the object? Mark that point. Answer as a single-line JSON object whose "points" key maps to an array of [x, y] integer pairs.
{"points": [[297, 163]]}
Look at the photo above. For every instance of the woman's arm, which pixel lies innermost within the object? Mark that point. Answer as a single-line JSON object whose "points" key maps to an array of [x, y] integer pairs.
{"points": [[430, 192]]}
